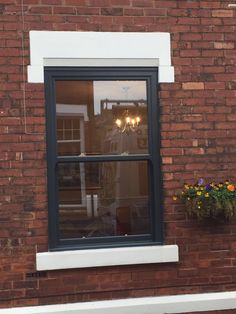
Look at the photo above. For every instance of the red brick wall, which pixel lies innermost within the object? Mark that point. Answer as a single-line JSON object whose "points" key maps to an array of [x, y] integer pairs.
{"points": [[198, 140]]}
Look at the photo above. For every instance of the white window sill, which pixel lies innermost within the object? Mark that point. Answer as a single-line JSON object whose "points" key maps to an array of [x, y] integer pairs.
{"points": [[107, 257]]}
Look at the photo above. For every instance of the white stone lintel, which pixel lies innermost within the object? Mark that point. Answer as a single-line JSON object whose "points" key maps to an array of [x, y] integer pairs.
{"points": [[56, 48]]}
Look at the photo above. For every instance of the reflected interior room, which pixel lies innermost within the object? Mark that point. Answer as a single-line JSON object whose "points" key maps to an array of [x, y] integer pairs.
{"points": [[102, 198]]}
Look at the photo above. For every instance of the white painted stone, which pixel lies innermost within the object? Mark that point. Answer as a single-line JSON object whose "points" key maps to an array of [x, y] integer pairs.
{"points": [[99, 48], [185, 303], [107, 257]]}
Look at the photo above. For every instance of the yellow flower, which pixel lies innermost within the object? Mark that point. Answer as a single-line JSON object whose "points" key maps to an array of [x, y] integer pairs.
{"points": [[207, 195], [174, 198], [199, 193], [186, 186], [220, 185]]}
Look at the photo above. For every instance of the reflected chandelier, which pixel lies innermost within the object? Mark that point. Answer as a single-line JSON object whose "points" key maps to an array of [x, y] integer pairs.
{"points": [[128, 123]]}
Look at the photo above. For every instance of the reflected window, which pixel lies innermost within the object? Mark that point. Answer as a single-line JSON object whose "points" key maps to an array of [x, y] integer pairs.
{"points": [[103, 157]]}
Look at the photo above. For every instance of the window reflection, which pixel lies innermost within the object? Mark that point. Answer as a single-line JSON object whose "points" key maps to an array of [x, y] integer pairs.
{"points": [[68, 135], [101, 117], [103, 199], [98, 199]]}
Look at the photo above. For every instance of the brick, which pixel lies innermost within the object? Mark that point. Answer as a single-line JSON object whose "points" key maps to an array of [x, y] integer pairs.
{"points": [[98, 3], [193, 85], [119, 3], [104, 19], [191, 37], [64, 10], [133, 12], [224, 125], [225, 77], [210, 21], [167, 160], [40, 10], [213, 36], [229, 36], [189, 20], [112, 11], [206, 4], [155, 12], [52, 2], [214, 85], [230, 54], [225, 45], [189, 4], [142, 3], [9, 52], [143, 20], [172, 151], [222, 13], [190, 53], [88, 11]]}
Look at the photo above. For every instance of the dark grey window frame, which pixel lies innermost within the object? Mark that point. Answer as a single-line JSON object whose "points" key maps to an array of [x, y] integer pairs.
{"points": [[150, 75]]}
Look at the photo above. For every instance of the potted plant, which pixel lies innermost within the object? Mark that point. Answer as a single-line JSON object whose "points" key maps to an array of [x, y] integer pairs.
{"points": [[212, 200]]}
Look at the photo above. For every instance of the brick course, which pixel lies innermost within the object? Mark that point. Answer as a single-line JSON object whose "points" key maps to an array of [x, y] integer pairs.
{"points": [[198, 140]]}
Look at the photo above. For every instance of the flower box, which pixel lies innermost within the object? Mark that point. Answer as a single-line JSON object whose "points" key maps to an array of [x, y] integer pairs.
{"points": [[213, 200]]}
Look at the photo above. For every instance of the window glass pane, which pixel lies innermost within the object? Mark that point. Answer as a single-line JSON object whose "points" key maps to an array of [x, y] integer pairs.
{"points": [[110, 115], [76, 134], [68, 148], [68, 135], [59, 135], [98, 199], [68, 124]]}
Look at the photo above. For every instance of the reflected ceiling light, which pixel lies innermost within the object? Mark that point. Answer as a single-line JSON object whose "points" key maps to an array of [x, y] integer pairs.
{"points": [[128, 123]]}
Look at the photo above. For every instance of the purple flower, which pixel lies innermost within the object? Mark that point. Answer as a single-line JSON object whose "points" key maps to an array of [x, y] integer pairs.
{"points": [[200, 181], [208, 187]]}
